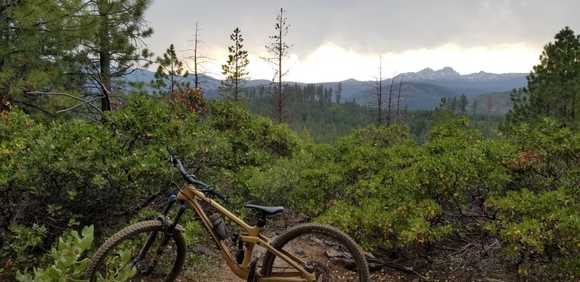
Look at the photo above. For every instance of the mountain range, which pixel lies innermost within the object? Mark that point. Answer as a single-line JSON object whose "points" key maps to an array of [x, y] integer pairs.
{"points": [[421, 90]]}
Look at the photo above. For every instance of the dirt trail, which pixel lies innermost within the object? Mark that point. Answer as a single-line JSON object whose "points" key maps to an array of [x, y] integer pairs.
{"points": [[214, 267], [219, 273]]}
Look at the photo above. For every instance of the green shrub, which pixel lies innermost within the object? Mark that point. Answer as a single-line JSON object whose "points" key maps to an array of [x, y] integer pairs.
{"points": [[103, 174], [537, 217], [390, 193], [22, 243], [68, 259]]}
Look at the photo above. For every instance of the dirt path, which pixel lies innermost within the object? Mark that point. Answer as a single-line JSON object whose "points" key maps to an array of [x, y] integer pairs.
{"points": [[214, 267], [220, 272]]}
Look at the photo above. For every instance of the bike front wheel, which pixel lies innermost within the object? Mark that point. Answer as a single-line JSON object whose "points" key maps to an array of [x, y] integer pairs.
{"points": [[144, 251], [323, 250]]}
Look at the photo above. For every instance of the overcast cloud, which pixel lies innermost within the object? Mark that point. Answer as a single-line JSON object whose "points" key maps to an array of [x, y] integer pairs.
{"points": [[367, 28]]}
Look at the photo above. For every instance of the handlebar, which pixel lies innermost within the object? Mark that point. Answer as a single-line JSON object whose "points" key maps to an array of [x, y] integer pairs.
{"points": [[191, 179]]}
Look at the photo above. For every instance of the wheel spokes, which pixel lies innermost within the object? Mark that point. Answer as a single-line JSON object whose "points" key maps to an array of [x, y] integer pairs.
{"points": [[323, 256]]}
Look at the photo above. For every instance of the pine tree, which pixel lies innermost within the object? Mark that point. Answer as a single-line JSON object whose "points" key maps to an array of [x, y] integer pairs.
{"points": [[113, 44], [169, 69], [234, 69], [554, 84], [36, 40], [278, 48]]}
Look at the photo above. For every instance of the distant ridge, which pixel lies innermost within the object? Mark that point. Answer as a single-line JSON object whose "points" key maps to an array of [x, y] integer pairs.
{"points": [[422, 90], [448, 73]]}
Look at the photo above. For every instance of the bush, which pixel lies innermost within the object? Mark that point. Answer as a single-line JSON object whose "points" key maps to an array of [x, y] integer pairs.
{"points": [[394, 196], [81, 172], [68, 259], [537, 215]]}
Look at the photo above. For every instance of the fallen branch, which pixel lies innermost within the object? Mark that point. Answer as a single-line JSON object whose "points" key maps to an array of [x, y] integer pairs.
{"points": [[81, 100]]}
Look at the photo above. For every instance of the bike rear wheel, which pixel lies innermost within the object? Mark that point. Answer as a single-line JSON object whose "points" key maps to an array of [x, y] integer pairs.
{"points": [[326, 251], [144, 251]]}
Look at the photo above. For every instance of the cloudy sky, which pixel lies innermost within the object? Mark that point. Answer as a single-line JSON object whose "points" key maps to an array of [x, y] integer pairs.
{"points": [[341, 39]]}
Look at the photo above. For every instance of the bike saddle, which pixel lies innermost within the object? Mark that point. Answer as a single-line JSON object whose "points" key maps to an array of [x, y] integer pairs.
{"points": [[267, 211]]}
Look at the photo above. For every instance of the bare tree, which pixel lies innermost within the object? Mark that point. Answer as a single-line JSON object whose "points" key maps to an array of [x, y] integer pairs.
{"points": [[87, 102], [399, 97], [379, 92], [278, 48], [198, 60], [195, 43], [389, 112]]}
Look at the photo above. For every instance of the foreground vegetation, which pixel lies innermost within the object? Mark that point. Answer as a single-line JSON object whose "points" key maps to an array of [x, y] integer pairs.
{"points": [[513, 197], [433, 191]]}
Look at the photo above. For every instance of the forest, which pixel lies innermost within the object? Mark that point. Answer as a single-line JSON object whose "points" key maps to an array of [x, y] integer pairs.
{"points": [[447, 192]]}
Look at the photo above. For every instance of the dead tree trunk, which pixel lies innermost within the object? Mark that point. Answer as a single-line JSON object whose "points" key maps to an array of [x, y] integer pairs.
{"points": [[279, 49], [379, 93], [399, 97], [389, 112], [195, 45]]}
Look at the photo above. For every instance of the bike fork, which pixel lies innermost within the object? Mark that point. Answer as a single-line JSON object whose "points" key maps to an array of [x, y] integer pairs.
{"points": [[165, 240]]}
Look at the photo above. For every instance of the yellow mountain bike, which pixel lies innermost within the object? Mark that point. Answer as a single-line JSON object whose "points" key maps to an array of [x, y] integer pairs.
{"points": [[155, 250]]}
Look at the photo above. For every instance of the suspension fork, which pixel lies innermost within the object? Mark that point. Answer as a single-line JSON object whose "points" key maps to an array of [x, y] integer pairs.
{"points": [[168, 231]]}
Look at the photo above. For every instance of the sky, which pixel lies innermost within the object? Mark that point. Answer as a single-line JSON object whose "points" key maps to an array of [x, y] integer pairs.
{"points": [[333, 40]]}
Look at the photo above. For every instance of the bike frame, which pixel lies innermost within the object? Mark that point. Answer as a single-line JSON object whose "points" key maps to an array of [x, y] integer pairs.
{"points": [[251, 236]]}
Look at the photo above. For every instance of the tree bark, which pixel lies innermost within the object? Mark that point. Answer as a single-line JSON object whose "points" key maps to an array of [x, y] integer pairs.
{"points": [[399, 97], [195, 41], [105, 61], [280, 54], [389, 115]]}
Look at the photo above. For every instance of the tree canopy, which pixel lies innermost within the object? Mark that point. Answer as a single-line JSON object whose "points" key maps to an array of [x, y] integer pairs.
{"points": [[554, 84]]}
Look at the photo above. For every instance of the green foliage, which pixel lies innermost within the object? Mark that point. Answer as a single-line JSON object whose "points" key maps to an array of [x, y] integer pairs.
{"points": [[234, 70], [255, 139], [23, 242], [400, 191], [392, 194], [553, 85], [537, 218], [24, 238], [377, 184], [310, 109], [103, 173], [169, 70], [68, 259], [303, 182], [540, 229], [44, 42], [403, 189], [111, 39], [35, 40]]}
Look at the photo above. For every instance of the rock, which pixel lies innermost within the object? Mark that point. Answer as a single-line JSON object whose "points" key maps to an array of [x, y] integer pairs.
{"points": [[203, 250]]}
